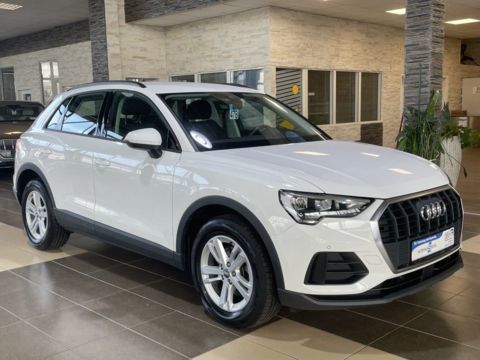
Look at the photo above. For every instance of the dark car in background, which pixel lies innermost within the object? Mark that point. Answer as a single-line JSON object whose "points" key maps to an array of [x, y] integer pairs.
{"points": [[15, 118]]}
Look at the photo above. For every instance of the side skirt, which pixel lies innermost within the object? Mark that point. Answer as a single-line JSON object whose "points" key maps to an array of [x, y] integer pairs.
{"points": [[79, 224]]}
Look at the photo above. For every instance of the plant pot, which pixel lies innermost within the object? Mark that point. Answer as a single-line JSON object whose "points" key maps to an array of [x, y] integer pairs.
{"points": [[451, 160]]}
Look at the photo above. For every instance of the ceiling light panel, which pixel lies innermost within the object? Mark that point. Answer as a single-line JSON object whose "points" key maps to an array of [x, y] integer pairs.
{"points": [[462, 21], [7, 6], [401, 11]]}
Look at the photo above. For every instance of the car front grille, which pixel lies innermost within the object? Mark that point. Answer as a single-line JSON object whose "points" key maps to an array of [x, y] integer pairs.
{"points": [[402, 222], [7, 148]]}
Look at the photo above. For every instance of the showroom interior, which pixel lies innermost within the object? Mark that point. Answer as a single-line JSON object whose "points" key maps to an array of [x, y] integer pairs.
{"points": [[352, 67]]}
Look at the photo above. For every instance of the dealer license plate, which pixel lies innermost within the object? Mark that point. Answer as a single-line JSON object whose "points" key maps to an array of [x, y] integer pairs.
{"points": [[432, 244]]}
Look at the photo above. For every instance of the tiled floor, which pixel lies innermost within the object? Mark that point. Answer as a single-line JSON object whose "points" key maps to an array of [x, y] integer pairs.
{"points": [[94, 301]]}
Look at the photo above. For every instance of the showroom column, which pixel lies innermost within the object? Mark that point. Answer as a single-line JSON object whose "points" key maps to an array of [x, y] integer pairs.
{"points": [[424, 47], [98, 39]]}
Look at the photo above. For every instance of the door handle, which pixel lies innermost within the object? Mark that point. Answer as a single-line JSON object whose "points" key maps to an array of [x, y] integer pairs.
{"points": [[102, 162]]}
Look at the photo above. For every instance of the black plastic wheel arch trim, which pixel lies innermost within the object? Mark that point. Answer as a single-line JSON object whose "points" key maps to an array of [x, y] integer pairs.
{"points": [[243, 211], [36, 170]]}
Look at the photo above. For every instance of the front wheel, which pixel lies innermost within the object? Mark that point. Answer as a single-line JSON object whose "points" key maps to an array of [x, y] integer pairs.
{"points": [[232, 272]]}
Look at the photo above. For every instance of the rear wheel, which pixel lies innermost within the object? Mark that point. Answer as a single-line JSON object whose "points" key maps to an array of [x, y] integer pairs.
{"points": [[232, 272], [43, 231]]}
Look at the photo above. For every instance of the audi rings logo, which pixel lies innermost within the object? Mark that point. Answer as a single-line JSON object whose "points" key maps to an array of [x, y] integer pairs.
{"points": [[433, 210]]}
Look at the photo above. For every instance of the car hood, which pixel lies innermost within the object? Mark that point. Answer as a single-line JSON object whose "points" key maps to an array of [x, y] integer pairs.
{"points": [[347, 168], [13, 129]]}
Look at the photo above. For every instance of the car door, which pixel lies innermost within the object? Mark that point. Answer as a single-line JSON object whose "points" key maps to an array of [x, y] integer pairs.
{"points": [[68, 158], [134, 190]]}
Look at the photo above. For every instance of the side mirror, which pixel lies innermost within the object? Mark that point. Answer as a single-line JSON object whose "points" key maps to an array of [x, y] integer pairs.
{"points": [[146, 139]]}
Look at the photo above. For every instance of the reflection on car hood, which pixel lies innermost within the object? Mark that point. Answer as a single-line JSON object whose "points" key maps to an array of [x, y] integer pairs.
{"points": [[13, 129], [347, 168]]}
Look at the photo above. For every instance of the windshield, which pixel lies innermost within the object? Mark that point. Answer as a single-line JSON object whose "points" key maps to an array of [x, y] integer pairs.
{"points": [[19, 112], [217, 121]]}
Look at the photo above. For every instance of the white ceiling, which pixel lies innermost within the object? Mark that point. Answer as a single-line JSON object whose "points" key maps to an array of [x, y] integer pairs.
{"points": [[37, 15], [372, 11]]}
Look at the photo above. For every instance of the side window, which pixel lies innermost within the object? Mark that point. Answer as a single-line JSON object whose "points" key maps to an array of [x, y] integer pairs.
{"points": [[55, 121], [130, 112], [82, 114]]}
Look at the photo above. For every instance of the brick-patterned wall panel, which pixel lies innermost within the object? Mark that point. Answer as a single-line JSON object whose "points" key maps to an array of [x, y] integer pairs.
{"points": [[74, 63], [98, 35], [145, 9], [372, 133], [46, 39]]}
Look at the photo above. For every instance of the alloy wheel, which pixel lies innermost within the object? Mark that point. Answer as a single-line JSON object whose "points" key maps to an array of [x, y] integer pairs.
{"points": [[36, 215], [226, 273]]}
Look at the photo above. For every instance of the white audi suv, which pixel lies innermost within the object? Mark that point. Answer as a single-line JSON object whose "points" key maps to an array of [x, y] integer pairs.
{"points": [[227, 183]]}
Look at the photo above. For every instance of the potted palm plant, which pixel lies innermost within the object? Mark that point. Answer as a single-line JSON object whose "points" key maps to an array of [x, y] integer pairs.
{"points": [[431, 135]]}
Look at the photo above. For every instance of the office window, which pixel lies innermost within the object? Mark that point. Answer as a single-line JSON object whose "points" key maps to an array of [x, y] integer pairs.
{"points": [[370, 95], [251, 78], [7, 84], [183, 78], [319, 97], [50, 80], [214, 78], [345, 97]]}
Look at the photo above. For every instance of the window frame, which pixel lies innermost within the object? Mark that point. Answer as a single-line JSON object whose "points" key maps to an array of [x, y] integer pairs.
{"points": [[197, 76], [105, 118], [333, 94], [100, 114]]}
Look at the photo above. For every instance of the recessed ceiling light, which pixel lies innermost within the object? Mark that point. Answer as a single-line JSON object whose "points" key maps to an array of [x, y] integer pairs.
{"points": [[462, 21], [401, 11], [7, 6]]}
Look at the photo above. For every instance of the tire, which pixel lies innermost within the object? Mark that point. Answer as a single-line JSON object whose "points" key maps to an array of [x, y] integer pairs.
{"points": [[54, 236], [262, 304]]}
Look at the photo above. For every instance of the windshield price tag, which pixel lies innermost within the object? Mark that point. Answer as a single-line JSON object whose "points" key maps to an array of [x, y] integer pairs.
{"points": [[234, 112]]}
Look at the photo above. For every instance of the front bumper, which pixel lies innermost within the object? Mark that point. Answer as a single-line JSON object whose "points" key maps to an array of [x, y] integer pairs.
{"points": [[381, 277], [386, 292]]}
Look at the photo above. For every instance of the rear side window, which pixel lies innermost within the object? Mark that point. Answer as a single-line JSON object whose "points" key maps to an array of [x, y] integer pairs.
{"points": [[55, 121], [83, 113]]}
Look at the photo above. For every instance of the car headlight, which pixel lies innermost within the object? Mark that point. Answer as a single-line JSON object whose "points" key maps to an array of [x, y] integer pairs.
{"points": [[311, 208]]}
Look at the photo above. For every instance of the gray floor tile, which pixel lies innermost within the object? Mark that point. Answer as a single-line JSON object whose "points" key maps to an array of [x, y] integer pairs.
{"points": [[32, 301], [6, 318], [462, 305], [75, 326], [395, 312], [346, 324], [67, 355], [462, 329], [46, 273], [170, 293], [125, 276], [81, 288], [431, 297], [415, 345], [155, 266], [125, 346], [10, 282], [185, 334], [22, 342], [87, 262], [127, 309]]}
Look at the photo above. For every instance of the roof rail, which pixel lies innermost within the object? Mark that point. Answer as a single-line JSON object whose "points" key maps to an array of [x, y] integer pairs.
{"points": [[238, 85], [108, 82]]}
